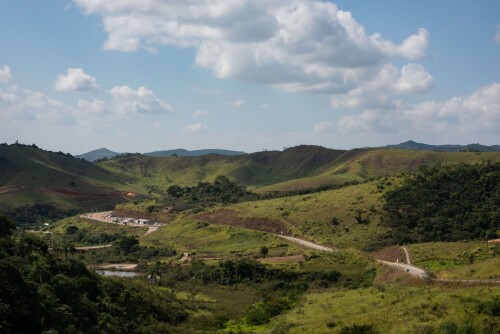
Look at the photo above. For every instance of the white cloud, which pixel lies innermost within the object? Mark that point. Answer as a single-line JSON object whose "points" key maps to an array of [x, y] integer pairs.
{"points": [[143, 101], [92, 107], [264, 106], [200, 113], [236, 104], [378, 90], [477, 113], [300, 45], [5, 74], [324, 126], [196, 127], [75, 79], [497, 36], [17, 103]]}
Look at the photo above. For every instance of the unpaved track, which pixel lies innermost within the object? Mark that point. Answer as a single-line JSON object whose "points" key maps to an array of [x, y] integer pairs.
{"points": [[420, 273], [151, 229], [87, 248], [412, 270], [184, 258], [307, 244], [407, 255]]}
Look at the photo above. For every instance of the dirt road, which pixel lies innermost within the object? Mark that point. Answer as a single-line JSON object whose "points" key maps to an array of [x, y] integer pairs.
{"points": [[307, 244], [184, 258], [87, 248], [412, 270], [407, 255]]}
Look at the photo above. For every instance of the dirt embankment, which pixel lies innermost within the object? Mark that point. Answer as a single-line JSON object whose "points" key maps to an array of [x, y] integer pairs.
{"points": [[391, 254], [232, 218]]}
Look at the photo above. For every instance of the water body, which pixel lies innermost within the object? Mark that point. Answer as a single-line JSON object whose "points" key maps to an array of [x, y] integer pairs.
{"points": [[118, 273]]}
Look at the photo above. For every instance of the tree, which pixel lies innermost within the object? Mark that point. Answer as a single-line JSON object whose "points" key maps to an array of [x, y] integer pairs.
{"points": [[175, 191], [429, 277], [6, 227], [264, 251]]}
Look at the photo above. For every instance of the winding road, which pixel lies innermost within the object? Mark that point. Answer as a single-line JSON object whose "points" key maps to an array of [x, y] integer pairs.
{"points": [[421, 273]]}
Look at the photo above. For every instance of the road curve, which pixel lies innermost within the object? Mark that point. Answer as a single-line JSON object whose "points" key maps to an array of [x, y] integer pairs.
{"points": [[307, 244]]}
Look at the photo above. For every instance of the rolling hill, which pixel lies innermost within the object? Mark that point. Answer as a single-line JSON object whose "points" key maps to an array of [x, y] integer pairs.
{"points": [[102, 153], [294, 168], [29, 175], [410, 144], [180, 152]]}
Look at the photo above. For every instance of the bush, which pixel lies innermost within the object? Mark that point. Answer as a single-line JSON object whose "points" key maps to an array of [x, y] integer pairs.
{"points": [[358, 329]]}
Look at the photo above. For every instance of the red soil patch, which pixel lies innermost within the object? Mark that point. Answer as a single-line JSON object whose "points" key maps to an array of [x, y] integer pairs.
{"points": [[391, 254], [231, 217], [11, 188]]}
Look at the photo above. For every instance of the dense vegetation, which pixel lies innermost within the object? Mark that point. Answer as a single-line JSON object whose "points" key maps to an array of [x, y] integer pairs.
{"points": [[38, 213], [446, 204], [204, 194], [42, 292]]}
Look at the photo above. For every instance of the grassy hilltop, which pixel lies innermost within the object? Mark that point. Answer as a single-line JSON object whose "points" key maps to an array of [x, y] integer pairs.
{"points": [[294, 168]]}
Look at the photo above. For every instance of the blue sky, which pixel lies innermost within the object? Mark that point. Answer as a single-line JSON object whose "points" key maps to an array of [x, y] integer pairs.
{"points": [[247, 75]]}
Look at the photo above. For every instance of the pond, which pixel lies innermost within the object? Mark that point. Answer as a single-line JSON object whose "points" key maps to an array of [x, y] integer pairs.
{"points": [[118, 273]]}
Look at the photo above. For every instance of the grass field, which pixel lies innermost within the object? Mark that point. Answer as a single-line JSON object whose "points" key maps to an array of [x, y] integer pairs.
{"points": [[205, 239], [396, 309], [311, 215], [438, 256]]}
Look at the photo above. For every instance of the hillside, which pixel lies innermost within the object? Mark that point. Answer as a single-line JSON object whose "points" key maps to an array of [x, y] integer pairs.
{"points": [[410, 144], [294, 168], [102, 153], [30, 175], [180, 152]]}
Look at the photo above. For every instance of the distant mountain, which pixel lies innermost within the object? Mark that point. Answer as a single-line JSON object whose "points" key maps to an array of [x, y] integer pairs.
{"points": [[98, 154], [410, 144], [180, 152]]}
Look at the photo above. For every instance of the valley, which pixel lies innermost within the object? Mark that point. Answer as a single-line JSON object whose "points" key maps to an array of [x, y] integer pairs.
{"points": [[305, 240]]}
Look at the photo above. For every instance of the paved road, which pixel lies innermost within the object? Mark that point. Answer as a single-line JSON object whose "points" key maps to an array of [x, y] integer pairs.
{"points": [[307, 243], [87, 248]]}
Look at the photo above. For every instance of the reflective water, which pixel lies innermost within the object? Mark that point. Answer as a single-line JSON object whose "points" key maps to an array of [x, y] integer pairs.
{"points": [[118, 273]]}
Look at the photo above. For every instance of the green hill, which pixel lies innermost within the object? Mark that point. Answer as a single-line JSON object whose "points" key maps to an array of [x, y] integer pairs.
{"points": [[102, 153], [29, 175], [180, 152], [294, 168]]}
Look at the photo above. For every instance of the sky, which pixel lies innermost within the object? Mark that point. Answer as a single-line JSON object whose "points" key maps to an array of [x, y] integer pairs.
{"points": [[146, 75]]}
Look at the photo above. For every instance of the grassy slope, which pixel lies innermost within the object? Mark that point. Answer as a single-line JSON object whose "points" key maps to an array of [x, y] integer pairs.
{"points": [[439, 256], [310, 215], [216, 240], [294, 168], [395, 310], [95, 227], [45, 177]]}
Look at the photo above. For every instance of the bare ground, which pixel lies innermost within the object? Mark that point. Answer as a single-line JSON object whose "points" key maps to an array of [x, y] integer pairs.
{"points": [[232, 218], [391, 254]]}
